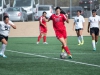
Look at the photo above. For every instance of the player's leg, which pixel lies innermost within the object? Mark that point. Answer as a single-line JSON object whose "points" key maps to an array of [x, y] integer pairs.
{"points": [[81, 36], [62, 40], [96, 35], [39, 38], [45, 36], [3, 47], [62, 48], [93, 41], [92, 32], [79, 41]]}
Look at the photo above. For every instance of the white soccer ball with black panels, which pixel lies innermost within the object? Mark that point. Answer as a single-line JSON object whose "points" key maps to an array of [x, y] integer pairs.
{"points": [[63, 55]]}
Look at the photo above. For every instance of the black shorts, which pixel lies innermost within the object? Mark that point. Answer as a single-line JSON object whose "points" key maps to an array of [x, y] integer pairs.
{"points": [[3, 37], [79, 29], [94, 30]]}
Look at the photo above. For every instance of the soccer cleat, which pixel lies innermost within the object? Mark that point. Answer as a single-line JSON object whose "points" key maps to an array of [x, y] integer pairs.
{"points": [[62, 50], [70, 57], [79, 44], [1, 54], [94, 49], [4, 56], [45, 43], [82, 42], [37, 42]]}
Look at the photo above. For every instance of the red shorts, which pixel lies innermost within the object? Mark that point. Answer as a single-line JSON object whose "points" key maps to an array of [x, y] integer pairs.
{"points": [[43, 30], [61, 34]]}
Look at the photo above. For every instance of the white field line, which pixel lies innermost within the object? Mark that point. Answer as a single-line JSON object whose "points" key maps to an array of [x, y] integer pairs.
{"points": [[75, 62], [73, 53]]}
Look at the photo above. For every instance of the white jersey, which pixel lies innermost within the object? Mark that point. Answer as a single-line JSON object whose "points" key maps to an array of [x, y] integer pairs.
{"points": [[94, 21], [79, 20], [5, 28]]}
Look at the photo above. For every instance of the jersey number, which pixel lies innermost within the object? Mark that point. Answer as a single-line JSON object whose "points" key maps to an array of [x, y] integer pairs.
{"points": [[6, 28], [77, 20]]}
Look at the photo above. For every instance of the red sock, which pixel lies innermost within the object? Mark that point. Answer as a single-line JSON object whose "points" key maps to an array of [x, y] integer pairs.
{"points": [[67, 50], [39, 37], [44, 38]]}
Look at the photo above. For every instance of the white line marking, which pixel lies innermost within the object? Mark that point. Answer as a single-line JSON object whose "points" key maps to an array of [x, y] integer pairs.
{"points": [[73, 53], [75, 62]]}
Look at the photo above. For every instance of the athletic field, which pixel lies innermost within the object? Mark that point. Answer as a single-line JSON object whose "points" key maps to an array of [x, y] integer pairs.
{"points": [[27, 58]]}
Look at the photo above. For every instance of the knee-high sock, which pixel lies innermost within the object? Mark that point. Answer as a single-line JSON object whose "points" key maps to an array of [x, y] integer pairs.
{"points": [[3, 48], [39, 37], [93, 44], [44, 38], [79, 40], [81, 37], [67, 50]]}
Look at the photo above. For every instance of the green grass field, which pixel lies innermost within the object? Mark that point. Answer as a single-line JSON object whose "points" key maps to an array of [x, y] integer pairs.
{"points": [[27, 58]]}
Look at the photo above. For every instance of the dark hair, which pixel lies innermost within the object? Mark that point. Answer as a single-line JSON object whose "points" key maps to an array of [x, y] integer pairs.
{"points": [[94, 10], [57, 8], [44, 12], [79, 11], [4, 18]]}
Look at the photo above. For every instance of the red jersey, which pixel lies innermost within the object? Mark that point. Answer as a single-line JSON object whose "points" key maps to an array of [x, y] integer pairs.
{"points": [[58, 21], [43, 21]]}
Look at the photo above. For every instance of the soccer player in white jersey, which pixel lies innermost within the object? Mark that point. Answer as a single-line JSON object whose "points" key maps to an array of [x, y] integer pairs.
{"points": [[93, 28], [79, 26], [4, 32]]}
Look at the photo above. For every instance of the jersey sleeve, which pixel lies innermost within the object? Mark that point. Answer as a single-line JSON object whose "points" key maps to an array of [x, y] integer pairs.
{"points": [[83, 19], [11, 22], [99, 18], [40, 19]]}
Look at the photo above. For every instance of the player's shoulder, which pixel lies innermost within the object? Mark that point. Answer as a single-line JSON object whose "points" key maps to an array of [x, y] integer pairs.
{"points": [[98, 16], [81, 16]]}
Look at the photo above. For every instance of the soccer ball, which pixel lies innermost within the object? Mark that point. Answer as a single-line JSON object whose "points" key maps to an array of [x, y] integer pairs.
{"points": [[63, 55]]}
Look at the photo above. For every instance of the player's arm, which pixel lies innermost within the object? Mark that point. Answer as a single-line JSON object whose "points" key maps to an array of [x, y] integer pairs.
{"points": [[83, 23], [67, 20], [88, 27], [12, 25], [73, 26]]}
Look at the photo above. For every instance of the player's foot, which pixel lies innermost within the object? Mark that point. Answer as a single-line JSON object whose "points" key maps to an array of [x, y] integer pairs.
{"points": [[62, 50], [82, 42], [37, 42], [94, 49], [45, 43], [4, 56], [79, 44], [70, 57]]}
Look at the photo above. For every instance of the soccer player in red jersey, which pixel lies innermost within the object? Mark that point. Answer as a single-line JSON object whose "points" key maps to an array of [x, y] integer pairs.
{"points": [[60, 29], [43, 28]]}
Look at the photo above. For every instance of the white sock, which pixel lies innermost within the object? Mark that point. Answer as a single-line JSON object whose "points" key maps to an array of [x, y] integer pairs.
{"points": [[79, 40], [81, 37], [93, 44], [3, 48]]}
